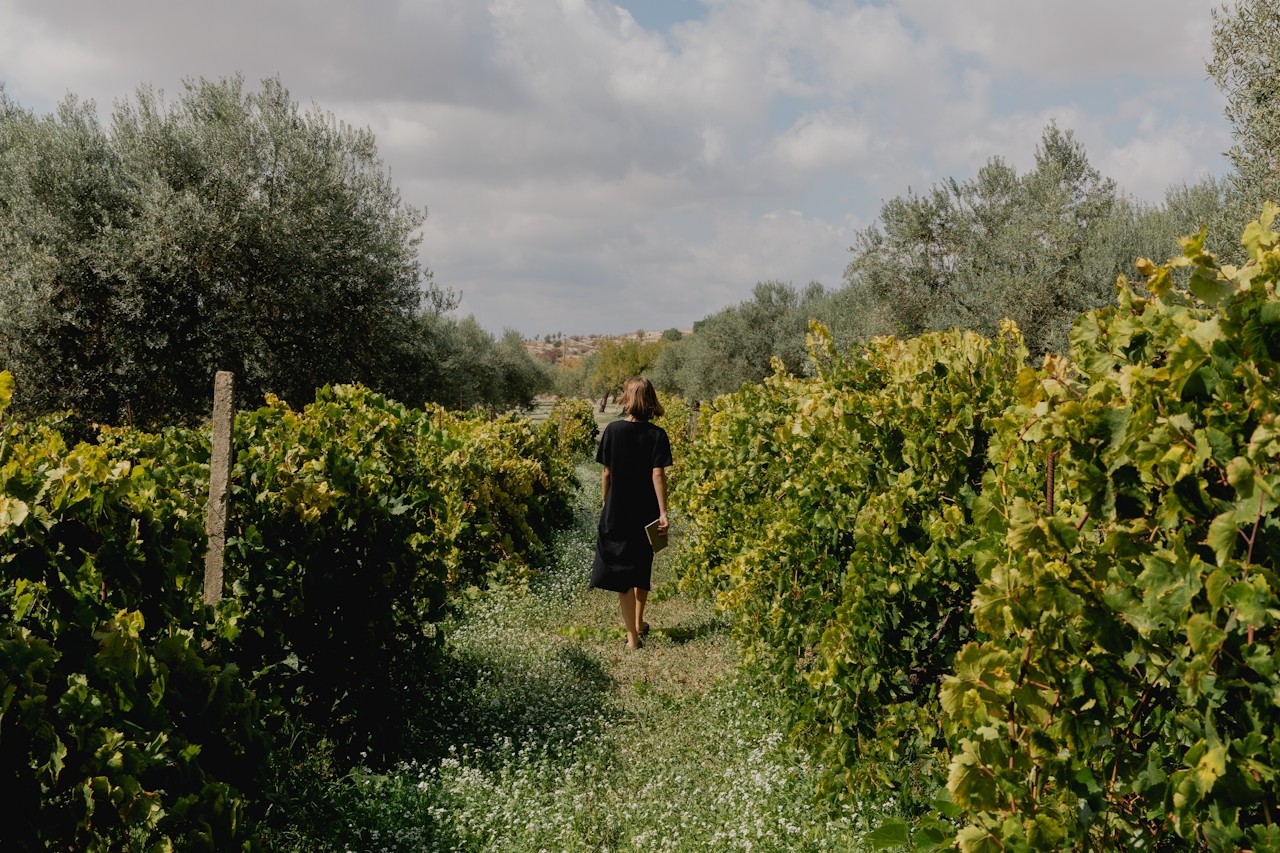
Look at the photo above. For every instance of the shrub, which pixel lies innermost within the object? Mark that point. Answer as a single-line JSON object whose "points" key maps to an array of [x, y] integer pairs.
{"points": [[831, 516], [132, 715], [574, 423], [116, 731], [1124, 693]]}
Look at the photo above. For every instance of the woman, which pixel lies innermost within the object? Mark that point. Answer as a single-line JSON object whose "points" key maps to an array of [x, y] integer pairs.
{"points": [[634, 453]]}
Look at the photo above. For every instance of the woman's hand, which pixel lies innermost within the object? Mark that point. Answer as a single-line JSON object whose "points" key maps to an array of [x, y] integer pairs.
{"points": [[663, 524]]}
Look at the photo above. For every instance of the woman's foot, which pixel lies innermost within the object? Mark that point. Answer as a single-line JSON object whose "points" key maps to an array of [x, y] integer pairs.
{"points": [[644, 630], [638, 644]]}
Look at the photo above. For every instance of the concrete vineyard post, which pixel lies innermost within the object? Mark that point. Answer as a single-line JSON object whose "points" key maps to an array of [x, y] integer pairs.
{"points": [[219, 484]]}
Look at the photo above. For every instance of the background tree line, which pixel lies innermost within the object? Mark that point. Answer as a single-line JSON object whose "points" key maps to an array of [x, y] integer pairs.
{"points": [[224, 230], [1039, 247]]}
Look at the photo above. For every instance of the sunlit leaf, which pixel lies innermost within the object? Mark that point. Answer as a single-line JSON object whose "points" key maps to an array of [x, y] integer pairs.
{"points": [[892, 832]]}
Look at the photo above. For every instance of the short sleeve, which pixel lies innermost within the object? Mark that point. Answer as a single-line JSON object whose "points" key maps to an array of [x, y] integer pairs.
{"points": [[662, 450]]}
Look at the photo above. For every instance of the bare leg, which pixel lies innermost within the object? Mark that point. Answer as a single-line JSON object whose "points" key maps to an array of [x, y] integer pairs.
{"points": [[627, 600], [642, 595]]}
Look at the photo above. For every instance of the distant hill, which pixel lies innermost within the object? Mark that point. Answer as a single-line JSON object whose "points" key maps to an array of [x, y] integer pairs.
{"points": [[554, 348]]}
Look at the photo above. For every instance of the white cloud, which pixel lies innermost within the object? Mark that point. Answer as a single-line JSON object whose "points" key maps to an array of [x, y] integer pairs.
{"points": [[860, 47], [1145, 165], [1085, 39], [38, 56], [650, 275], [825, 143], [583, 173], [1165, 154]]}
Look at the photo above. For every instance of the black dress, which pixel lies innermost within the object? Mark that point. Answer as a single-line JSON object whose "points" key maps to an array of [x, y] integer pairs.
{"points": [[624, 557]]}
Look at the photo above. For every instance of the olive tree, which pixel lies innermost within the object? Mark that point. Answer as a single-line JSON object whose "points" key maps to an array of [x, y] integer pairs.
{"points": [[738, 344], [223, 229], [1246, 68], [1039, 247]]}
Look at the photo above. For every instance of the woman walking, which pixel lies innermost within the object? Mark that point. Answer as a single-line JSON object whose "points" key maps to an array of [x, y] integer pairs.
{"points": [[634, 453]]}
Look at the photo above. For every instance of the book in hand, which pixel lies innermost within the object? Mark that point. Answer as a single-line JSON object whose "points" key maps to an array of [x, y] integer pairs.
{"points": [[656, 538]]}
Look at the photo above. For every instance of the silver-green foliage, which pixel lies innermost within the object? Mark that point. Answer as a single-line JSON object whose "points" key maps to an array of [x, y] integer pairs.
{"points": [[737, 345], [222, 229], [1037, 248], [1246, 68], [461, 365]]}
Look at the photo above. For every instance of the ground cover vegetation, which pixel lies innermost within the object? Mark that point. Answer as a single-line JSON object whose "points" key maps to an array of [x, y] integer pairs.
{"points": [[132, 715], [1050, 592]]}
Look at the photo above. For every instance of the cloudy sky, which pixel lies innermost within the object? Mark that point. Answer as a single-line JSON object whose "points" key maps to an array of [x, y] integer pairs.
{"points": [[613, 165]]}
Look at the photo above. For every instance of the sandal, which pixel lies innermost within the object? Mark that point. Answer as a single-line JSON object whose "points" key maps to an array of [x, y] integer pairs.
{"points": [[644, 630], [639, 644]]}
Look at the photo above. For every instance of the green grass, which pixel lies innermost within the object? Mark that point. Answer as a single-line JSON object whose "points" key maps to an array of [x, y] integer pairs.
{"points": [[549, 735]]}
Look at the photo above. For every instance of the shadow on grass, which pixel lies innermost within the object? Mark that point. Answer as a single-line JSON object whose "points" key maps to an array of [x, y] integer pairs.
{"points": [[545, 700], [484, 705], [692, 629], [679, 634]]}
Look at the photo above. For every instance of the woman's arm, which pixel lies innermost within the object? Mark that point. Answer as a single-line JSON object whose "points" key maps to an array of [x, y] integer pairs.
{"points": [[604, 485], [660, 489]]}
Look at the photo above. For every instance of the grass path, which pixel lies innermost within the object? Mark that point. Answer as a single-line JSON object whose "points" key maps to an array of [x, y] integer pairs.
{"points": [[559, 739]]}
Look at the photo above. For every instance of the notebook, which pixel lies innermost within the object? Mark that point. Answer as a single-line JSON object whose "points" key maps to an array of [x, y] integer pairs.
{"points": [[656, 539]]}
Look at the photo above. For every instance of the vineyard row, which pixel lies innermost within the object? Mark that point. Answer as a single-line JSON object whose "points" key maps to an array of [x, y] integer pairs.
{"points": [[1040, 603]]}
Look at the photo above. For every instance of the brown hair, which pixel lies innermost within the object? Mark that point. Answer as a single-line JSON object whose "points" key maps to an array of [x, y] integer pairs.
{"points": [[640, 400]]}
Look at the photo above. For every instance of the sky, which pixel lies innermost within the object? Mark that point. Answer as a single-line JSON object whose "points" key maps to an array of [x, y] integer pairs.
{"points": [[606, 166]]}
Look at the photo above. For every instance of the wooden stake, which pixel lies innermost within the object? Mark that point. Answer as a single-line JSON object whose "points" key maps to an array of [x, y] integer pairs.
{"points": [[219, 484], [1048, 482]]}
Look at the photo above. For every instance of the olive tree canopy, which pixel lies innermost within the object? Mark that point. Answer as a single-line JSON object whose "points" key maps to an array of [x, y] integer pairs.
{"points": [[1246, 67], [223, 230]]}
